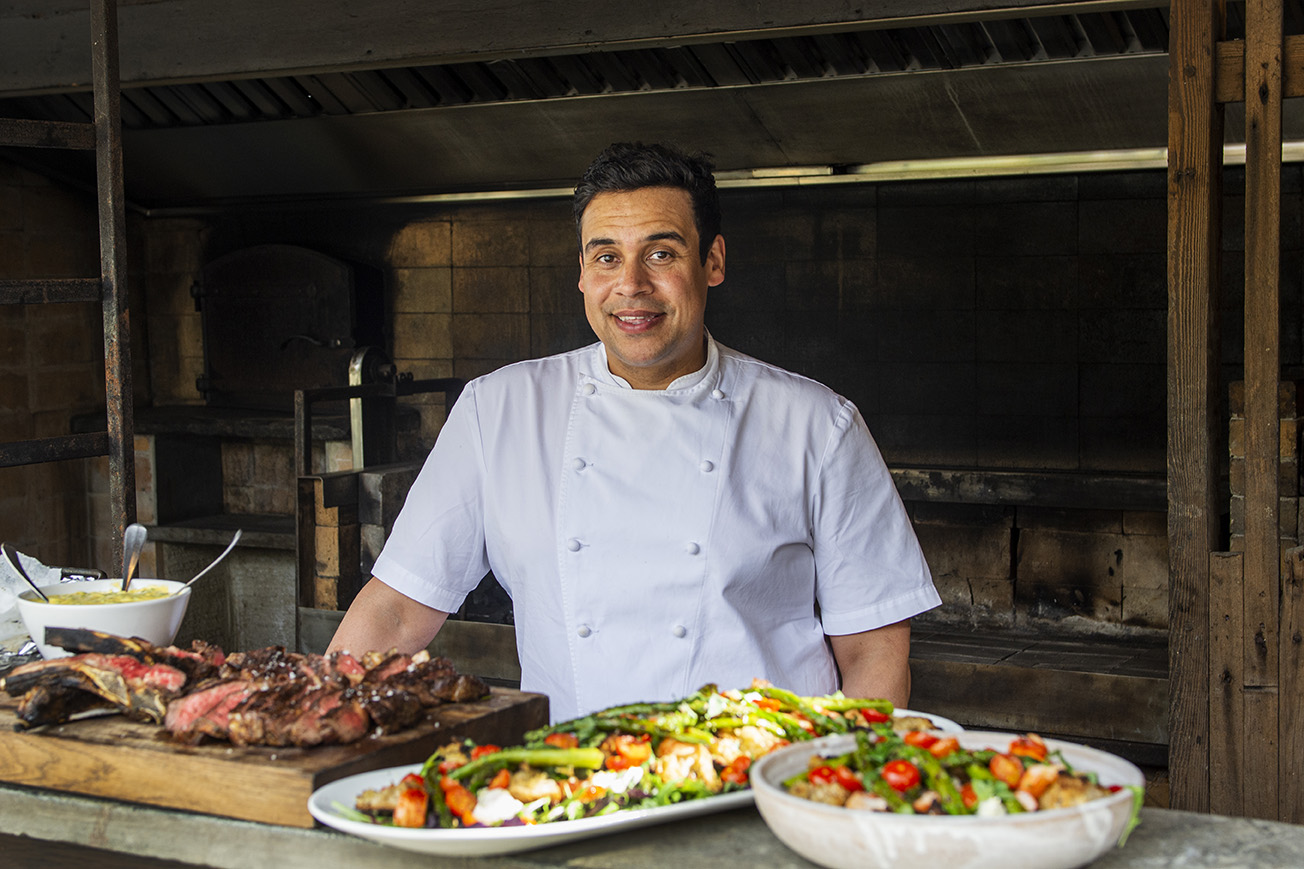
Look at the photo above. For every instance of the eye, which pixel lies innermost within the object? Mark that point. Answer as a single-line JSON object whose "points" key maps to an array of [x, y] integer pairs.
{"points": [[661, 255]]}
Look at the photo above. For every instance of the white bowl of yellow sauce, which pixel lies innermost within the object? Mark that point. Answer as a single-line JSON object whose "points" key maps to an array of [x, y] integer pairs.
{"points": [[152, 610]]}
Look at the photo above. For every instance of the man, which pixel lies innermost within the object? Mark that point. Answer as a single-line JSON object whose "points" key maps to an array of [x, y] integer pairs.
{"points": [[663, 511]]}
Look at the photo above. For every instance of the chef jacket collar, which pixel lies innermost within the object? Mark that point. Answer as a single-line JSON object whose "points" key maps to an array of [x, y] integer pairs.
{"points": [[688, 381]]}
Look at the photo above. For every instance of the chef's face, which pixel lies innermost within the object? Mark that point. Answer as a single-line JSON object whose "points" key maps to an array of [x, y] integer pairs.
{"points": [[644, 283]]}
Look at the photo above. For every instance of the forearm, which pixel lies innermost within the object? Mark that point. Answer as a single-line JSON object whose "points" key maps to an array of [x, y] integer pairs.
{"points": [[876, 663], [381, 618]]}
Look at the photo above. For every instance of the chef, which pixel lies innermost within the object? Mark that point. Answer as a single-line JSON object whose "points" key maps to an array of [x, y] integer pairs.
{"points": [[663, 511]]}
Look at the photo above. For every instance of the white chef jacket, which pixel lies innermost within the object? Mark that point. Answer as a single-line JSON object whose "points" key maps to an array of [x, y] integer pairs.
{"points": [[653, 541]]}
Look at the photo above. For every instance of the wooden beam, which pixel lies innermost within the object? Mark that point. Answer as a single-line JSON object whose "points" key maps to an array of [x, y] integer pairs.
{"points": [[1291, 722], [1226, 684], [1230, 77], [1262, 564], [1195, 124], [43, 44]]}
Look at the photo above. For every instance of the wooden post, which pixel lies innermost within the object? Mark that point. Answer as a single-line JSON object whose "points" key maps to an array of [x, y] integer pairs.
{"points": [[1291, 727], [1226, 681], [1195, 134], [1263, 50]]}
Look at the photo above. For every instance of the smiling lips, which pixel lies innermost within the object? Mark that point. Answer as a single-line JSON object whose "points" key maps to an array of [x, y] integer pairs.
{"points": [[634, 322]]}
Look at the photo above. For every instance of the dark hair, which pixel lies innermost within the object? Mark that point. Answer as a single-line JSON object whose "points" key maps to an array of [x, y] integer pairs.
{"points": [[627, 166]]}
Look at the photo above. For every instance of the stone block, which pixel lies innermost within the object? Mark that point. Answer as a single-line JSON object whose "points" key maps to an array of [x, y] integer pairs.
{"points": [[829, 285], [175, 246], [927, 336], [422, 336], [423, 291], [1027, 228], [422, 243], [1120, 281], [769, 235], [1123, 226], [1092, 562], [1068, 519], [491, 243], [928, 283], [13, 255], [1115, 390], [846, 233], [11, 213], [491, 290], [1145, 607], [63, 254], [1026, 283], [1013, 388], [1149, 522], [553, 240], [927, 389], [64, 388], [1122, 336], [907, 439], [966, 551], [947, 229], [502, 337], [1123, 444], [1031, 442]]}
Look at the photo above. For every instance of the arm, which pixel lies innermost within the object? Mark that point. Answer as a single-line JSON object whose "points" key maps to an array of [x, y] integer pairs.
{"points": [[381, 618], [875, 664]]}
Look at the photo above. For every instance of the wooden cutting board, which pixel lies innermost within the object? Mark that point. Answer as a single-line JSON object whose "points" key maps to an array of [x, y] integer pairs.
{"points": [[110, 756]]}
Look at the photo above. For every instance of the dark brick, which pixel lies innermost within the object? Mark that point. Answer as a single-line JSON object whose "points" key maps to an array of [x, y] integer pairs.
{"points": [[1123, 336], [1027, 389], [1037, 442], [491, 290], [1123, 226], [830, 285], [1030, 337], [1026, 282], [1124, 281], [1121, 443], [926, 336], [555, 290], [1027, 188], [491, 336], [939, 231], [927, 388], [926, 282], [1027, 228]]}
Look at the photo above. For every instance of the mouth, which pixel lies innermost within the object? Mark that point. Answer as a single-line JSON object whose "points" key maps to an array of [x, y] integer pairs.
{"points": [[633, 322]]}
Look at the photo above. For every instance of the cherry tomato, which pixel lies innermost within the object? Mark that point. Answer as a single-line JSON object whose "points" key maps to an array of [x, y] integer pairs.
{"points": [[589, 793], [921, 738], [944, 746], [769, 704], [562, 740], [848, 778], [736, 771], [481, 750], [412, 781], [447, 765], [1006, 768], [968, 796], [410, 811], [501, 780], [902, 775], [820, 775], [874, 716], [1029, 746]]}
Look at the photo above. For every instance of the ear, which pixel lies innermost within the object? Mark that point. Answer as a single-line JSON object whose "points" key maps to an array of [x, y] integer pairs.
{"points": [[715, 262]]}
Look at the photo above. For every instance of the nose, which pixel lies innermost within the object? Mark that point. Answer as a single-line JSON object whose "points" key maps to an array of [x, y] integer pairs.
{"points": [[633, 279]]}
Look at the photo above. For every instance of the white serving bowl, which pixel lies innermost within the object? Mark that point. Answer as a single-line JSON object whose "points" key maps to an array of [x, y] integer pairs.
{"points": [[154, 620], [855, 839]]}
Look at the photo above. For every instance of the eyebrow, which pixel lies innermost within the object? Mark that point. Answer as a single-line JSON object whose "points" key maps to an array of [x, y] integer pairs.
{"points": [[668, 235]]}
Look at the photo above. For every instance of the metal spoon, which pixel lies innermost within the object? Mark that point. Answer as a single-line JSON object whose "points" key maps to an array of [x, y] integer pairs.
{"points": [[13, 559], [133, 540], [225, 552]]}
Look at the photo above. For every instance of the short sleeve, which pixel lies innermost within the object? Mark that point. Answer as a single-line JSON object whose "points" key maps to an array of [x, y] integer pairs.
{"points": [[436, 551], [870, 570]]}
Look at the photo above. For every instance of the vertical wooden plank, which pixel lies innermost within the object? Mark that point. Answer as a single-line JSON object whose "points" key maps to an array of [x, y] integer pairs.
{"points": [[1226, 680], [1263, 50], [1195, 132], [1291, 698], [113, 267]]}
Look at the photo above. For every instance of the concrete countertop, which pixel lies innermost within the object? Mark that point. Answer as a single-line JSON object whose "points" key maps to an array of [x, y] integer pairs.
{"points": [[738, 838]]}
